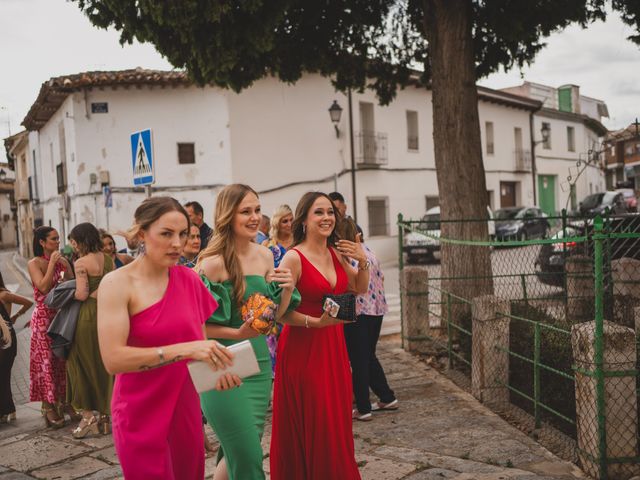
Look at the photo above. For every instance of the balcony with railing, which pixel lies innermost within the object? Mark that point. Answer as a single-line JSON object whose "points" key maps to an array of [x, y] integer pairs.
{"points": [[523, 160], [371, 149]]}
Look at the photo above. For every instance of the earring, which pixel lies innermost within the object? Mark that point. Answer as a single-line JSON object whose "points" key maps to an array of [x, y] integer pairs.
{"points": [[141, 249], [304, 229]]}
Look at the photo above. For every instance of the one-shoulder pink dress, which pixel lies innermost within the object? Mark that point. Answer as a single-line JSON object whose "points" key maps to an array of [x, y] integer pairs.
{"points": [[157, 424]]}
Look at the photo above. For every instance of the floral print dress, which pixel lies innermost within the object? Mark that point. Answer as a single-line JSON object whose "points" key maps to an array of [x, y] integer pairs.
{"points": [[47, 372]]}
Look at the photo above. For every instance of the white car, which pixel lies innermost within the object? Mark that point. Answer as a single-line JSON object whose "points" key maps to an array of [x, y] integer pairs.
{"points": [[425, 245]]}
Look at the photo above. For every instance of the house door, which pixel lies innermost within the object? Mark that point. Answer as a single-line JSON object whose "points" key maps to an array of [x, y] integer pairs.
{"points": [[547, 193], [507, 194]]}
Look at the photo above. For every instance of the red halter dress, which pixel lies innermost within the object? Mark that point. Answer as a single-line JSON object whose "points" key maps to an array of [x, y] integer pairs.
{"points": [[312, 436]]}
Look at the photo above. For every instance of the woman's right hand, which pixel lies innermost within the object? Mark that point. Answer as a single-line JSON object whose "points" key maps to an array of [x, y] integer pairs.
{"points": [[55, 257], [210, 351]]}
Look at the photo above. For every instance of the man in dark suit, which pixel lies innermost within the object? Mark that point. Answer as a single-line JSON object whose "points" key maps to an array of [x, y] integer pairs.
{"points": [[196, 214]]}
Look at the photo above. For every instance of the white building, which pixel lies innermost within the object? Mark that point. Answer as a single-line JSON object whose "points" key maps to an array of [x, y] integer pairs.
{"points": [[575, 136], [276, 137]]}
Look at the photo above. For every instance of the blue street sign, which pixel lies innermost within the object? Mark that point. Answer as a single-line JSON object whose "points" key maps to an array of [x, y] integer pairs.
{"points": [[142, 158], [108, 198]]}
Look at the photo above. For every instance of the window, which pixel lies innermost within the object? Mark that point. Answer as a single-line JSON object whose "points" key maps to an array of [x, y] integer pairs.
{"points": [[62, 184], [571, 139], [412, 130], [378, 209], [546, 143], [628, 151], [488, 131], [186, 153], [432, 201]]}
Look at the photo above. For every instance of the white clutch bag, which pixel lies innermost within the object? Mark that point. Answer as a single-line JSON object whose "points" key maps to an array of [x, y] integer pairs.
{"points": [[245, 364]]}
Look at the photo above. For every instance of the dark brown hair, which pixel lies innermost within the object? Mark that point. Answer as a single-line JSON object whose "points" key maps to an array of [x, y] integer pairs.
{"points": [[40, 234], [348, 230], [302, 211], [87, 236]]}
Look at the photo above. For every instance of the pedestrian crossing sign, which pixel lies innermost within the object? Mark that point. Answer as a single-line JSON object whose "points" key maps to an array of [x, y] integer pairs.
{"points": [[142, 159]]}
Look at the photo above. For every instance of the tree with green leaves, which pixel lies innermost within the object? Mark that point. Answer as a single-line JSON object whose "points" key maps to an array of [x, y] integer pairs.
{"points": [[375, 44]]}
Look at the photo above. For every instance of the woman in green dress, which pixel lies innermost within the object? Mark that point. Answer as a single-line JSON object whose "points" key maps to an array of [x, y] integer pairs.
{"points": [[233, 267], [89, 385]]}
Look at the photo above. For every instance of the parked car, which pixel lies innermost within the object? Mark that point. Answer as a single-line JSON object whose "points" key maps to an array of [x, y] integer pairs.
{"points": [[597, 203], [551, 258], [630, 198], [418, 246], [549, 265], [520, 223]]}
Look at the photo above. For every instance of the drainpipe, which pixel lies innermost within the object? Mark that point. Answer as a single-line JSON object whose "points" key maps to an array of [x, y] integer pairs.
{"points": [[533, 157]]}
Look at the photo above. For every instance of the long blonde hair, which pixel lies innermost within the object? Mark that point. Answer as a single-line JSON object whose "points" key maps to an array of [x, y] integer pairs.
{"points": [[281, 212], [221, 242]]}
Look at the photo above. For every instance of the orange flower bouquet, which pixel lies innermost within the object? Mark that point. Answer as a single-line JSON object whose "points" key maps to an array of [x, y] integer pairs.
{"points": [[260, 312]]}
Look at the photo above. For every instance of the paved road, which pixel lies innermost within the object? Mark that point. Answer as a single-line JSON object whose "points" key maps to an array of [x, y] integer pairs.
{"points": [[439, 432]]}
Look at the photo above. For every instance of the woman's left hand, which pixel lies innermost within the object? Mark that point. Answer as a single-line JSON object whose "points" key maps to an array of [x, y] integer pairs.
{"points": [[283, 277], [352, 250]]}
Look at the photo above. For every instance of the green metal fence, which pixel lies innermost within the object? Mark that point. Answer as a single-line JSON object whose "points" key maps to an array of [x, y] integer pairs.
{"points": [[542, 369]]}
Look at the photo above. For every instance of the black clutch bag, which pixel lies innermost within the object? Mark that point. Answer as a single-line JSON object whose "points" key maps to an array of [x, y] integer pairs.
{"points": [[346, 303]]}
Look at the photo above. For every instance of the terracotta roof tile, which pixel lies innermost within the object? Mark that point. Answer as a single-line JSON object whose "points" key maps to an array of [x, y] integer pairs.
{"points": [[54, 91]]}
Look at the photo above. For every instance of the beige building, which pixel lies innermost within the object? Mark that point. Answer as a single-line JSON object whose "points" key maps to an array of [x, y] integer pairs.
{"points": [[17, 147]]}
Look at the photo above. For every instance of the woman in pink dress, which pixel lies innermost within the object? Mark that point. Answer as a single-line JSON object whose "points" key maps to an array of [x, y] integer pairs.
{"points": [[311, 434], [47, 372], [150, 323]]}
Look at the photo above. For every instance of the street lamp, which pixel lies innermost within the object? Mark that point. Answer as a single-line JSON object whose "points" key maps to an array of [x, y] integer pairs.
{"points": [[3, 175], [335, 112]]}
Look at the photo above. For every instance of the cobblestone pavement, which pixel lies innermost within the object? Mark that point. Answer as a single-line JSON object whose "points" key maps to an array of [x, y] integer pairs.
{"points": [[439, 432]]}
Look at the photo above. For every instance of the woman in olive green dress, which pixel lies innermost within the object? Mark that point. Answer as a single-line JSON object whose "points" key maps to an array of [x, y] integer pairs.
{"points": [[233, 267], [89, 385]]}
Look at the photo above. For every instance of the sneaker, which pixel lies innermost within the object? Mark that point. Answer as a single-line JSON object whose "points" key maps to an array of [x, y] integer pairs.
{"points": [[363, 417], [377, 406]]}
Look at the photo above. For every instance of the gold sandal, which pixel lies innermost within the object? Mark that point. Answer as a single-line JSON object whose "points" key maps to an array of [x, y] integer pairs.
{"points": [[87, 425], [52, 418], [74, 415], [104, 424]]}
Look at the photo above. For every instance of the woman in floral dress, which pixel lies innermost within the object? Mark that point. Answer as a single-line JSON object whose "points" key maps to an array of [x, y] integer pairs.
{"points": [[46, 371]]}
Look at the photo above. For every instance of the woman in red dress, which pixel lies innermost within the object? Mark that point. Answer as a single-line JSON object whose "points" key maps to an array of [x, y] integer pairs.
{"points": [[312, 437]]}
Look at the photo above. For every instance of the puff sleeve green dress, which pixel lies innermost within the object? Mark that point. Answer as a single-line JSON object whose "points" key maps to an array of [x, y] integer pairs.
{"points": [[238, 415]]}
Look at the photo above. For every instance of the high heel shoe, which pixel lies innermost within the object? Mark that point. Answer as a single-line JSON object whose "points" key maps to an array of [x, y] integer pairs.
{"points": [[104, 425], [87, 425], [74, 415], [51, 418]]}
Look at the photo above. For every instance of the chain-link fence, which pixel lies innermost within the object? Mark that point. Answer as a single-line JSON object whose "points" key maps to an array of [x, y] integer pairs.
{"points": [[556, 346]]}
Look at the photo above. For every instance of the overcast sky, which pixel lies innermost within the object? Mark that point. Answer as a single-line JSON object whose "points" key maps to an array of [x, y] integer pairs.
{"points": [[40, 39]]}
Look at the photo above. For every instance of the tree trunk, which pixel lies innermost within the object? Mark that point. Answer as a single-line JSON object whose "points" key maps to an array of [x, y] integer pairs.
{"points": [[458, 149]]}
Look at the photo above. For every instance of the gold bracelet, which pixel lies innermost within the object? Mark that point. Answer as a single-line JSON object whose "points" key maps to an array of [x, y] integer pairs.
{"points": [[364, 266], [306, 321]]}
